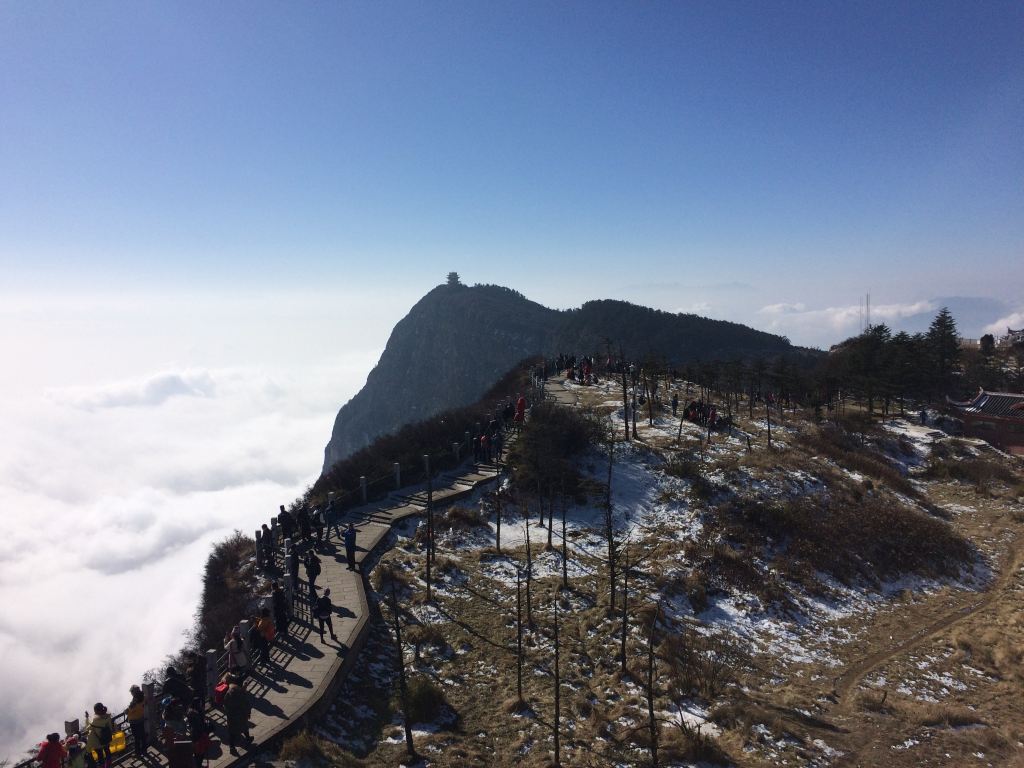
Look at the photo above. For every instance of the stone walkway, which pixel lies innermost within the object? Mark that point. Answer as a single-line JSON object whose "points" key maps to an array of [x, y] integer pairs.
{"points": [[296, 686]]}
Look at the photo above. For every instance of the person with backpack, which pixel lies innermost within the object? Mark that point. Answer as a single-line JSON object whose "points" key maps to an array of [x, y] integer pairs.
{"points": [[98, 735], [135, 714], [319, 525], [323, 610], [51, 751], [176, 687], [237, 708]]}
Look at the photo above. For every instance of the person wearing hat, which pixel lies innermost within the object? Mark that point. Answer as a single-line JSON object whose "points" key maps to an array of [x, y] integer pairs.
{"points": [[323, 611], [51, 751], [98, 735], [135, 714]]}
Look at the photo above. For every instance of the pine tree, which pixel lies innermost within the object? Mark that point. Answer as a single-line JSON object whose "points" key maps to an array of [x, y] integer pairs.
{"points": [[943, 347]]}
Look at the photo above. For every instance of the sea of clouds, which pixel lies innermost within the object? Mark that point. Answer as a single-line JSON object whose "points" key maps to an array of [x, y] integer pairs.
{"points": [[112, 495]]}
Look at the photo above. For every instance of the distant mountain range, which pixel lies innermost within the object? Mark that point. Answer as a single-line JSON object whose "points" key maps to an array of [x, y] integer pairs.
{"points": [[458, 340]]}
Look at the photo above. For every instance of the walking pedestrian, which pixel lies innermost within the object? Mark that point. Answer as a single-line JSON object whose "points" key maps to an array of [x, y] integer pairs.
{"points": [[135, 714], [312, 572], [350, 546], [323, 611], [237, 708], [319, 524], [305, 530]]}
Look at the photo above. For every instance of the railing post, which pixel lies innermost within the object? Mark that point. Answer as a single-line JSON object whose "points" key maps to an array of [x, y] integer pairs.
{"points": [[244, 627], [362, 487], [467, 441], [259, 550], [398, 475], [212, 678], [288, 575], [455, 450], [152, 713]]}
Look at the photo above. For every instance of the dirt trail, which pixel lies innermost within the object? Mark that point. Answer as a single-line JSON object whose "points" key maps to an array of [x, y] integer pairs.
{"points": [[855, 673], [846, 683]]}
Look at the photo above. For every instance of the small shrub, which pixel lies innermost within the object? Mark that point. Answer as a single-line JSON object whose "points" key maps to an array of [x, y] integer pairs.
{"points": [[426, 701], [461, 518]]}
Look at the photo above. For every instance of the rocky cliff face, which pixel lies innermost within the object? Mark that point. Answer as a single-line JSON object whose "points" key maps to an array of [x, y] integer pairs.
{"points": [[458, 340], [447, 352]]}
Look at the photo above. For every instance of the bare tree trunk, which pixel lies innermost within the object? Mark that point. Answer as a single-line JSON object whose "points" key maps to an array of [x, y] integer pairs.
{"points": [[558, 699], [768, 416], [497, 533], [430, 525], [610, 531], [625, 398], [625, 598], [529, 579], [565, 548], [551, 519], [652, 722], [519, 636], [402, 685]]}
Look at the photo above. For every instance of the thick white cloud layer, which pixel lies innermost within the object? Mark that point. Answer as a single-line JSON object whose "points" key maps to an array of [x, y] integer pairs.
{"points": [[112, 496], [831, 324], [1013, 320]]}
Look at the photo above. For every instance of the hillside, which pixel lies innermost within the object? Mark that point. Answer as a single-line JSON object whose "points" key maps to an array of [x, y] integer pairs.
{"points": [[457, 340], [846, 597]]}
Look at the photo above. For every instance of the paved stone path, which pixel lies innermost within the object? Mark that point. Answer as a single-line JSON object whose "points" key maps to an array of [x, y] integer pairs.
{"points": [[295, 687]]}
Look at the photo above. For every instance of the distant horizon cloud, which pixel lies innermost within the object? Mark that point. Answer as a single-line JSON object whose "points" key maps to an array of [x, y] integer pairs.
{"points": [[1013, 320], [831, 325]]}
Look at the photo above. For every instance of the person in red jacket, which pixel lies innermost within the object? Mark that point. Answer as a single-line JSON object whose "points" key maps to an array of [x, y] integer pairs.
{"points": [[51, 751]]}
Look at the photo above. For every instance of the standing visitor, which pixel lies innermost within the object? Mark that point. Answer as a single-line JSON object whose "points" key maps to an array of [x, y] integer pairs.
{"points": [[287, 523], [350, 546], [279, 603], [312, 572], [98, 735], [237, 708], [135, 714]]}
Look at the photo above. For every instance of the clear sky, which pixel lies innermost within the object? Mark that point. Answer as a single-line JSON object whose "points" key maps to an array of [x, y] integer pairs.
{"points": [[213, 213], [721, 157]]}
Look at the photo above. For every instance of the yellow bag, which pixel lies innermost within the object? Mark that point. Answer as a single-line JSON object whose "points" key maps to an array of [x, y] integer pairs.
{"points": [[118, 742]]}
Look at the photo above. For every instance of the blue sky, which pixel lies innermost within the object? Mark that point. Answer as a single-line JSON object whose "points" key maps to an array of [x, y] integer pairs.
{"points": [[807, 151], [213, 213]]}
